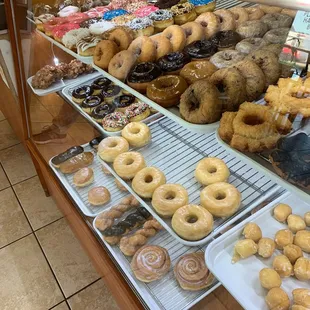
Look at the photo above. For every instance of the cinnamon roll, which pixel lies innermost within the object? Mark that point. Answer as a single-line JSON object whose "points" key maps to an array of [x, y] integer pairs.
{"points": [[150, 263]]}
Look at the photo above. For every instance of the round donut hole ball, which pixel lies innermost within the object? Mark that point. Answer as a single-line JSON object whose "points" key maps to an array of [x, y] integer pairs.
{"points": [[281, 212], [292, 252], [266, 247], [302, 269], [277, 299], [269, 278], [244, 249], [295, 223], [252, 231], [301, 296], [282, 266], [302, 239], [283, 237], [307, 218]]}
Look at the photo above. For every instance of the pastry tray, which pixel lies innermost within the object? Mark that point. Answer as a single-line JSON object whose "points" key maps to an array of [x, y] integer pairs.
{"points": [[67, 93], [243, 280], [176, 152], [59, 85], [263, 165], [164, 293], [80, 194]]}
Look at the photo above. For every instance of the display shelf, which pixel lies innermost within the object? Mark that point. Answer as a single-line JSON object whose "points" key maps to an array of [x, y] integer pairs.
{"points": [[67, 94], [176, 152], [263, 165], [243, 281], [290, 4], [165, 293]]}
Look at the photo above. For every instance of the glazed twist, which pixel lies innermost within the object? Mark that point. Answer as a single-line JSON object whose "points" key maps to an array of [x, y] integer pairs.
{"points": [[130, 245], [106, 219]]}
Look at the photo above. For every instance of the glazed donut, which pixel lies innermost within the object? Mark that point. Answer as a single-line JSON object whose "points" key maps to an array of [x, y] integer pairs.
{"points": [[68, 10], [267, 9], [176, 35], [137, 134], [249, 45], [227, 19], [162, 45], [276, 20], [166, 90], [234, 85], [192, 222], [144, 48], [127, 164], [289, 12], [109, 148], [226, 39], [241, 15], [277, 36], [220, 199], [252, 29], [121, 37], [168, 198], [200, 103], [226, 58], [147, 180], [201, 50], [104, 52], [255, 78], [193, 32], [209, 23], [255, 13], [121, 64], [197, 70], [142, 74], [211, 170], [269, 64], [173, 63]]}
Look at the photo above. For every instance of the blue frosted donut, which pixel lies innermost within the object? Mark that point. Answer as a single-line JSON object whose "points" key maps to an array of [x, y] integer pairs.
{"points": [[114, 13], [200, 2]]}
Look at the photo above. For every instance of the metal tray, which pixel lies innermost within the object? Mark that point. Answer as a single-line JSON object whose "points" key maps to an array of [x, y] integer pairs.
{"points": [[243, 280], [67, 93], [176, 152], [164, 293]]}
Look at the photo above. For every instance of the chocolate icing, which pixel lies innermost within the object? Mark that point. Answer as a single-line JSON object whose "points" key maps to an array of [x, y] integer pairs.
{"points": [[291, 159], [110, 91], [69, 153], [95, 142], [201, 49], [91, 102], [226, 39], [124, 101], [164, 4], [144, 72], [173, 61], [103, 110], [101, 83], [87, 23], [82, 92]]}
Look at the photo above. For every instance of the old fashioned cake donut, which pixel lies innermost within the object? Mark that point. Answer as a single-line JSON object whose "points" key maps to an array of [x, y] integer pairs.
{"points": [[104, 52], [209, 23], [241, 15], [176, 35], [227, 19], [193, 31], [255, 13], [162, 45], [144, 48]]}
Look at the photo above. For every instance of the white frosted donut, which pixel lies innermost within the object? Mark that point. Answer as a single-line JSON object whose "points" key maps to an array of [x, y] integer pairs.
{"points": [[128, 164], [68, 10], [211, 170], [168, 198], [109, 148], [101, 27], [71, 38], [137, 134], [147, 180], [220, 199]]}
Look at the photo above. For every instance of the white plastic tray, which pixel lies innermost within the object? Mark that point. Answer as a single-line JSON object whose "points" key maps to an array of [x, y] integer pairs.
{"points": [[257, 162], [176, 152], [59, 85], [80, 195], [67, 92], [242, 278], [165, 293], [86, 60]]}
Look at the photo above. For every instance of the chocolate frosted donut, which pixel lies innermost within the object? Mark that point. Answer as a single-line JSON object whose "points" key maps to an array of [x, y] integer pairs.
{"points": [[101, 111], [109, 92], [276, 20], [173, 62], [90, 103], [252, 29], [69, 153], [81, 93], [95, 142], [124, 101], [101, 83], [226, 39], [87, 23], [163, 4], [202, 49], [144, 72]]}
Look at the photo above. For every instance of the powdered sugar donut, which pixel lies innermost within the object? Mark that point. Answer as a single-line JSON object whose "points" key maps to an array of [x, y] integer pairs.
{"points": [[68, 10], [145, 11]]}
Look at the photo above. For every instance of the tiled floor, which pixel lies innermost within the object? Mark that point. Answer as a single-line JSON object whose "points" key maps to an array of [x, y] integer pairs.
{"points": [[42, 264]]}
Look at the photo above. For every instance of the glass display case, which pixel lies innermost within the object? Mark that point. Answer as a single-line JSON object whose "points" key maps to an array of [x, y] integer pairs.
{"points": [[210, 121]]}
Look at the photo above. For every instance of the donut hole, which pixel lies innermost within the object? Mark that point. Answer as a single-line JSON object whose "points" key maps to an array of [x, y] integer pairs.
{"points": [[204, 24], [188, 32], [253, 120], [166, 84], [135, 131], [220, 196], [129, 161], [148, 179], [212, 169], [170, 195], [113, 144], [191, 219], [194, 103]]}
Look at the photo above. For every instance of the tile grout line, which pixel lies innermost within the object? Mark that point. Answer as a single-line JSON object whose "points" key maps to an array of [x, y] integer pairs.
{"points": [[85, 287], [10, 243], [9, 146]]}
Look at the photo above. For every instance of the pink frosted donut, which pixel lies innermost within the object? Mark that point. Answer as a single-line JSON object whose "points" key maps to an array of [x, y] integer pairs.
{"points": [[68, 10], [145, 11], [97, 12], [77, 18], [61, 30]]}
